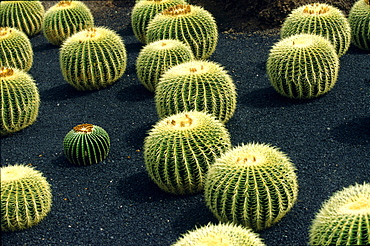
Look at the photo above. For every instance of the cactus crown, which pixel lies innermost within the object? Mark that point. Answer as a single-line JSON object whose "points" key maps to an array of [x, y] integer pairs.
{"points": [[6, 72], [14, 173], [64, 4], [4, 31], [360, 205], [302, 41], [316, 9], [84, 128], [367, 1], [183, 121], [180, 9]]}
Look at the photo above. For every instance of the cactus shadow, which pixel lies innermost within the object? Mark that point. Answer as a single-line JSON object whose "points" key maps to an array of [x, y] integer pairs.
{"points": [[355, 131], [134, 93], [137, 136], [62, 92], [45, 47], [134, 47]]}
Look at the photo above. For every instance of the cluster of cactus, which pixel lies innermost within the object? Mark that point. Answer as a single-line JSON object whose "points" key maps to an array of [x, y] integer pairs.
{"points": [[196, 85], [20, 100], [180, 148], [65, 19], [86, 144], [16, 49], [303, 66], [26, 197], [93, 58], [220, 234], [359, 20], [26, 16], [253, 185], [344, 219]]}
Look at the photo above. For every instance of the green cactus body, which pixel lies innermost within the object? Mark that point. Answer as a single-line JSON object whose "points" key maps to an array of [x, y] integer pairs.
{"points": [[26, 197], [20, 100], [15, 49], [180, 148], [344, 219], [26, 16], [359, 20], [144, 11], [196, 85], [303, 66], [65, 19], [93, 59], [254, 185], [320, 19], [86, 144], [220, 235], [157, 57], [190, 24]]}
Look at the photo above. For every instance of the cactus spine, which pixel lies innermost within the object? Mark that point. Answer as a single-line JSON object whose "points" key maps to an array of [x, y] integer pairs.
{"points": [[320, 19], [26, 197], [196, 85], [93, 59], [220, 235], [26, 16], [303, 66], [20, 100], [144, 11], [254, 185], [86, 144], [157, 57], [180, 148], [359, 20], [190, 24], [16, 50], [65, 19]]}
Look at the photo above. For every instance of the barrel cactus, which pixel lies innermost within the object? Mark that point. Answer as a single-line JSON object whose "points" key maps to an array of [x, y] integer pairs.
{"points": [[220, 235], [180, 148], [320, 19], [20, 100], [190, 24], [65, 19], [86, 144], [359, 20], [26, 16], [303, 66], [344, 218], [196, 85], [93, 58], [157, 57], [253, 185], [144, 11], [26, 197]]}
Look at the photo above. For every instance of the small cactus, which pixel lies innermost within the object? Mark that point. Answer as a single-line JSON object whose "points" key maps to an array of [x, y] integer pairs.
{"points": [[196, 85], [93, 59], [157, 57], [344, 219], [303, 66], [359, 20], [16, 49], [86, 144], [144, 11], [220, 235], [20, 100], [26, 197], [26, 16], [190, 24], [320, 19], [180, 148], [65, 19], [254, 185]]}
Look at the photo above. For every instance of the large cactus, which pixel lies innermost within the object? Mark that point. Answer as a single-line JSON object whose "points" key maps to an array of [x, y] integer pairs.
{"points": [[359, 20]]}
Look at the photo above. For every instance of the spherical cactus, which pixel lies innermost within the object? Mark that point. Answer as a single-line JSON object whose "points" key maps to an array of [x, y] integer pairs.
{"points": [[344, 218], [144, 11], [220, 235], [86, 144], [16, 49], [359, 20], [320, 19], [26, 197], [93, 59], [196, 85], [65, 19], [20, 100], [190, 24], [180, 148], [26, 16], [157, 57], [303, 66], [254, 185]]}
